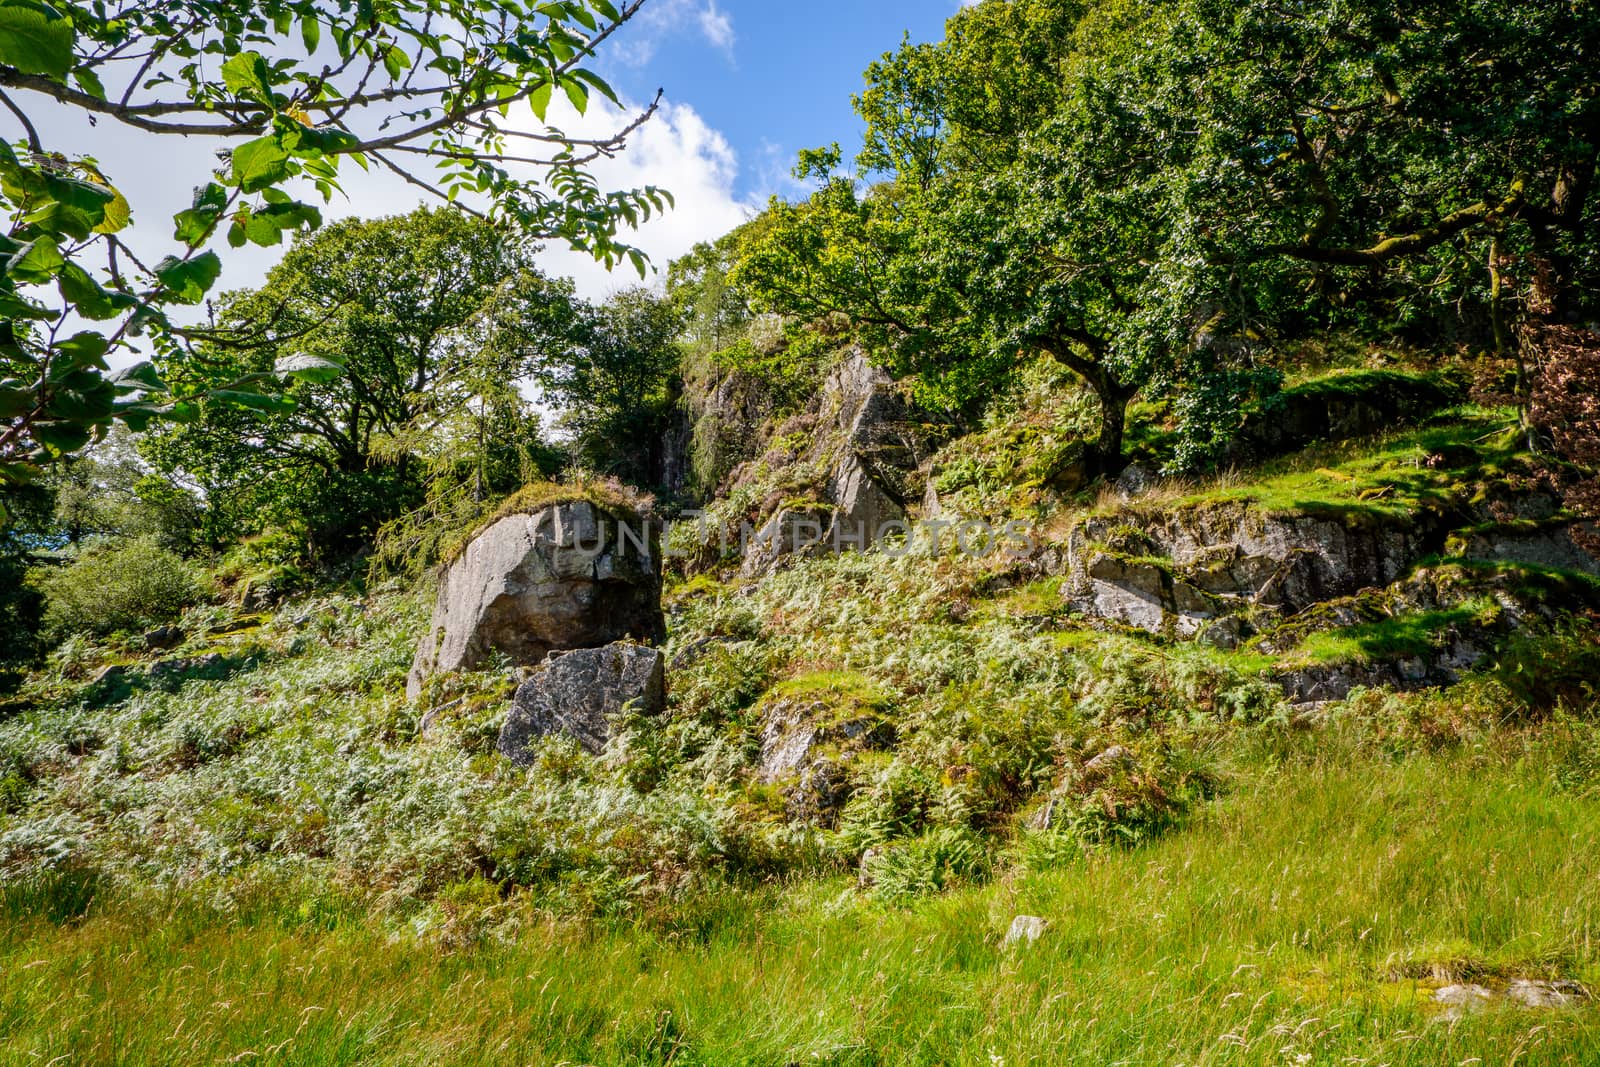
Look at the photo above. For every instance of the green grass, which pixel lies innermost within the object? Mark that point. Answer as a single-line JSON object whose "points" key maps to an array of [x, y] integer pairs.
{"points": [[1397, 476], [1406, 636], [1305, 917]]}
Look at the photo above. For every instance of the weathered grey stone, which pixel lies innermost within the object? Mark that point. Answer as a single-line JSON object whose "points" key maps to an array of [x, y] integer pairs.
{"points": [[1135, 480], [1531, 993], [1144, 594], [807, 746], [865, 878], [869, 447], [1554, 547], [1227, 559], [575, 694], [1112, 759], [163, 638], [863, 507], [566, 576], [1025, 930], [1298, 417], [792, 532], [1227, 633], [171, 668], [109, 675], [1462, 998]]}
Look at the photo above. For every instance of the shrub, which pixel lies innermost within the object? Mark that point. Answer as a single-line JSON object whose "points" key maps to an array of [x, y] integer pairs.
{"points": [[122, 587]]}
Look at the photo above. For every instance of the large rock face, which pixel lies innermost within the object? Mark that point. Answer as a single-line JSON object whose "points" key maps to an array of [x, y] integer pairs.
{"points": [[1337, 408], [869, 445], [576, 693], [566, 576], [1175, 571], [1185, 570]]}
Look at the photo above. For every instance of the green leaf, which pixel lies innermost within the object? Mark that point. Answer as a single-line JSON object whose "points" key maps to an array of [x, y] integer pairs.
{"points": [[79, 289], [35, 42], [138, 414], [141, 376], [89, 82], [61, 437], [83, 349], [260, 229], [395, 61], [599, 84], [576, 93], [274, 405], [37, 261], [310, 368], [194, 225], [13, 306], [539, 99], [91, 403], [14, 403], [246, 75], [310, 34], [312, 141], [260, 163], [189, 279]]}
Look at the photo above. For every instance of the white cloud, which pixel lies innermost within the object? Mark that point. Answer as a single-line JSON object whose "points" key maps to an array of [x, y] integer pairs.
{"points": [[638, 44], [717, 27], [677, 151]]}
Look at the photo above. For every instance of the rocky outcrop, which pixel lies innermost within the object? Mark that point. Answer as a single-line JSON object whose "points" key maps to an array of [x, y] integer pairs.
{"points": [[1463, 611], [1558, 545], [565, 576], [868, 445], [1238, 577], [576, 693], [1338, 408], [1176, 571], [793, 532]]}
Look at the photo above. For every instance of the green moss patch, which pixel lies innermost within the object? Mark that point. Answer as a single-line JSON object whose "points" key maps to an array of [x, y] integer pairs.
{"points": [[607, 495]]}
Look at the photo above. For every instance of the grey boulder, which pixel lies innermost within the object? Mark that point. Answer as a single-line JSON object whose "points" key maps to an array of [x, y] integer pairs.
{"points": [[577, 692], [565, 576]]}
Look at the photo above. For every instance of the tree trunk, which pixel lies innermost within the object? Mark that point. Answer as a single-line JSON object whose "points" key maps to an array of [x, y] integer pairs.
{"points": [[1107, 459], [1505, 345]]}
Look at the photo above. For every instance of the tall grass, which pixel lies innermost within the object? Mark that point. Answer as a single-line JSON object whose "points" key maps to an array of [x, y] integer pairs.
{"points": [[1304, 918]]}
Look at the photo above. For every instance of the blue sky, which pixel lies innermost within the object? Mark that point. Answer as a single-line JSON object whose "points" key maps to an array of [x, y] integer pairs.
{"points": [[771, 77]]}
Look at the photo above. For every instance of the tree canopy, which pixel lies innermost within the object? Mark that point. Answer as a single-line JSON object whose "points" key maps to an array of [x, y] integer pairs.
{"points": [[1147, 193], [454, 97], [387, 338]]}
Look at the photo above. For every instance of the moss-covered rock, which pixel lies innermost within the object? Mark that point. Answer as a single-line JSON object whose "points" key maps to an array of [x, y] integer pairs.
{"points": [[812, 729]]}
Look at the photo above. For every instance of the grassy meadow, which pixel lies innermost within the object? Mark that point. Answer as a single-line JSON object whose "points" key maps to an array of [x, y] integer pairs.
{"points": [[1303, 917]]}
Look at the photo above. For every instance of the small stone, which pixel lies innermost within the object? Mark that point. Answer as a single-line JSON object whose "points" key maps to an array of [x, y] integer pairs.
{"points": [[1226, 633], [1534, 994], [1463, 998], [109, 675], [864, 876], [1025, 929], [1134, 481], [171, 668], [163, 638], [1113, 758]]}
